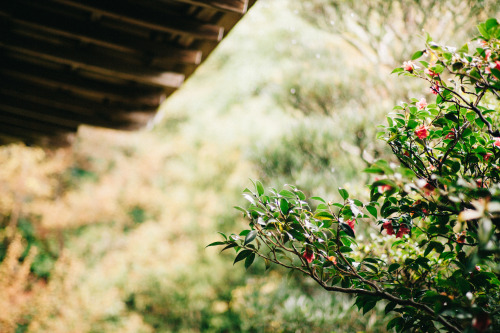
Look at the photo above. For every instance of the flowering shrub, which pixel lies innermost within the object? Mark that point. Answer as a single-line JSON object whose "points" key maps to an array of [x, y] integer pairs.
{"points": [[442, 201]]}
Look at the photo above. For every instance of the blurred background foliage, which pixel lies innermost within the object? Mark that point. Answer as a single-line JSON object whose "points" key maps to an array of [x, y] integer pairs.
{"points": [[110, 234]]}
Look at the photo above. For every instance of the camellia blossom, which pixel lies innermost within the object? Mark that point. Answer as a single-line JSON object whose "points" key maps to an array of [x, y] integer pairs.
{"points": [[383, 188], [403, 230], [333, 259], [461, 237], [487, 54], [451, 134], [435, 89], [497, 142], [408, 66], [430, 72], [351, 223], [387, 226], [487, 156], [422, 132], [481, 322], [308, 256], [422, 104], [428, 188]]}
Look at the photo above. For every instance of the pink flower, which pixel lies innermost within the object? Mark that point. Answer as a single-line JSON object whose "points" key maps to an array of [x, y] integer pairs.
{"points": [[308, 256], [421, 132], [422, 104], [333, 259], [435, 89], [451, 134], [408, 66], [382, 188], [351, 223], [403, 230], [430, 72], [387, 226], [487, 54], [487, 156], [497, 142]]}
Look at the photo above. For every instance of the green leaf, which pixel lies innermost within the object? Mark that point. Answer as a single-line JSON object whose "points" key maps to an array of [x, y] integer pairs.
{"points": [[284, 206], [368, 306], [287, 194], [259, 187], [347, 229], [343, 193], [345, 249], [417, 55], [229, 246], [483, 30], [318, 199], [323, 216], [250, 237], [242, 255], [249, 260], [215, 244], [372, 210], [395, 323], [389, 307], [267, 262], [297, 235], [393, 267]]}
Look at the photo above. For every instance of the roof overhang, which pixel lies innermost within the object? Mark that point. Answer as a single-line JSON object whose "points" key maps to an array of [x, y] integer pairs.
{"points": [[104, 63]]}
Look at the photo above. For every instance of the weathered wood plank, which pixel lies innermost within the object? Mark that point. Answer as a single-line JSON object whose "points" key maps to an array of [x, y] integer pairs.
{"points": [[236, 6], [54, 115], [31, 15], [65, 99], [91, 60], [59, 78], [150, 19]]}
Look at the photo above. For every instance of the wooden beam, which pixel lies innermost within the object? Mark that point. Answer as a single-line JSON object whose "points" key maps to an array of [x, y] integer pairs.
{"points": [[91, 60], [53, 115], [235, 6], [147, 18], [56, 77], [65, 99], [41, 19], [33, 123]]}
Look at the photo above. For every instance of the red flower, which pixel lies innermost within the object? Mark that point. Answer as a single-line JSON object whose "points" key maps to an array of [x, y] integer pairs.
{"points": [[422, 132], [497, 64], [408, 66], [487, 54], [403, 230], [308, 256], [461, 237], [428, 188], [388, 227], [481, 322], [422, 104], [383, 188], [430, 72], [351, 223], [487, 156], [451, 134], [435, 89], [497, 142]]}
